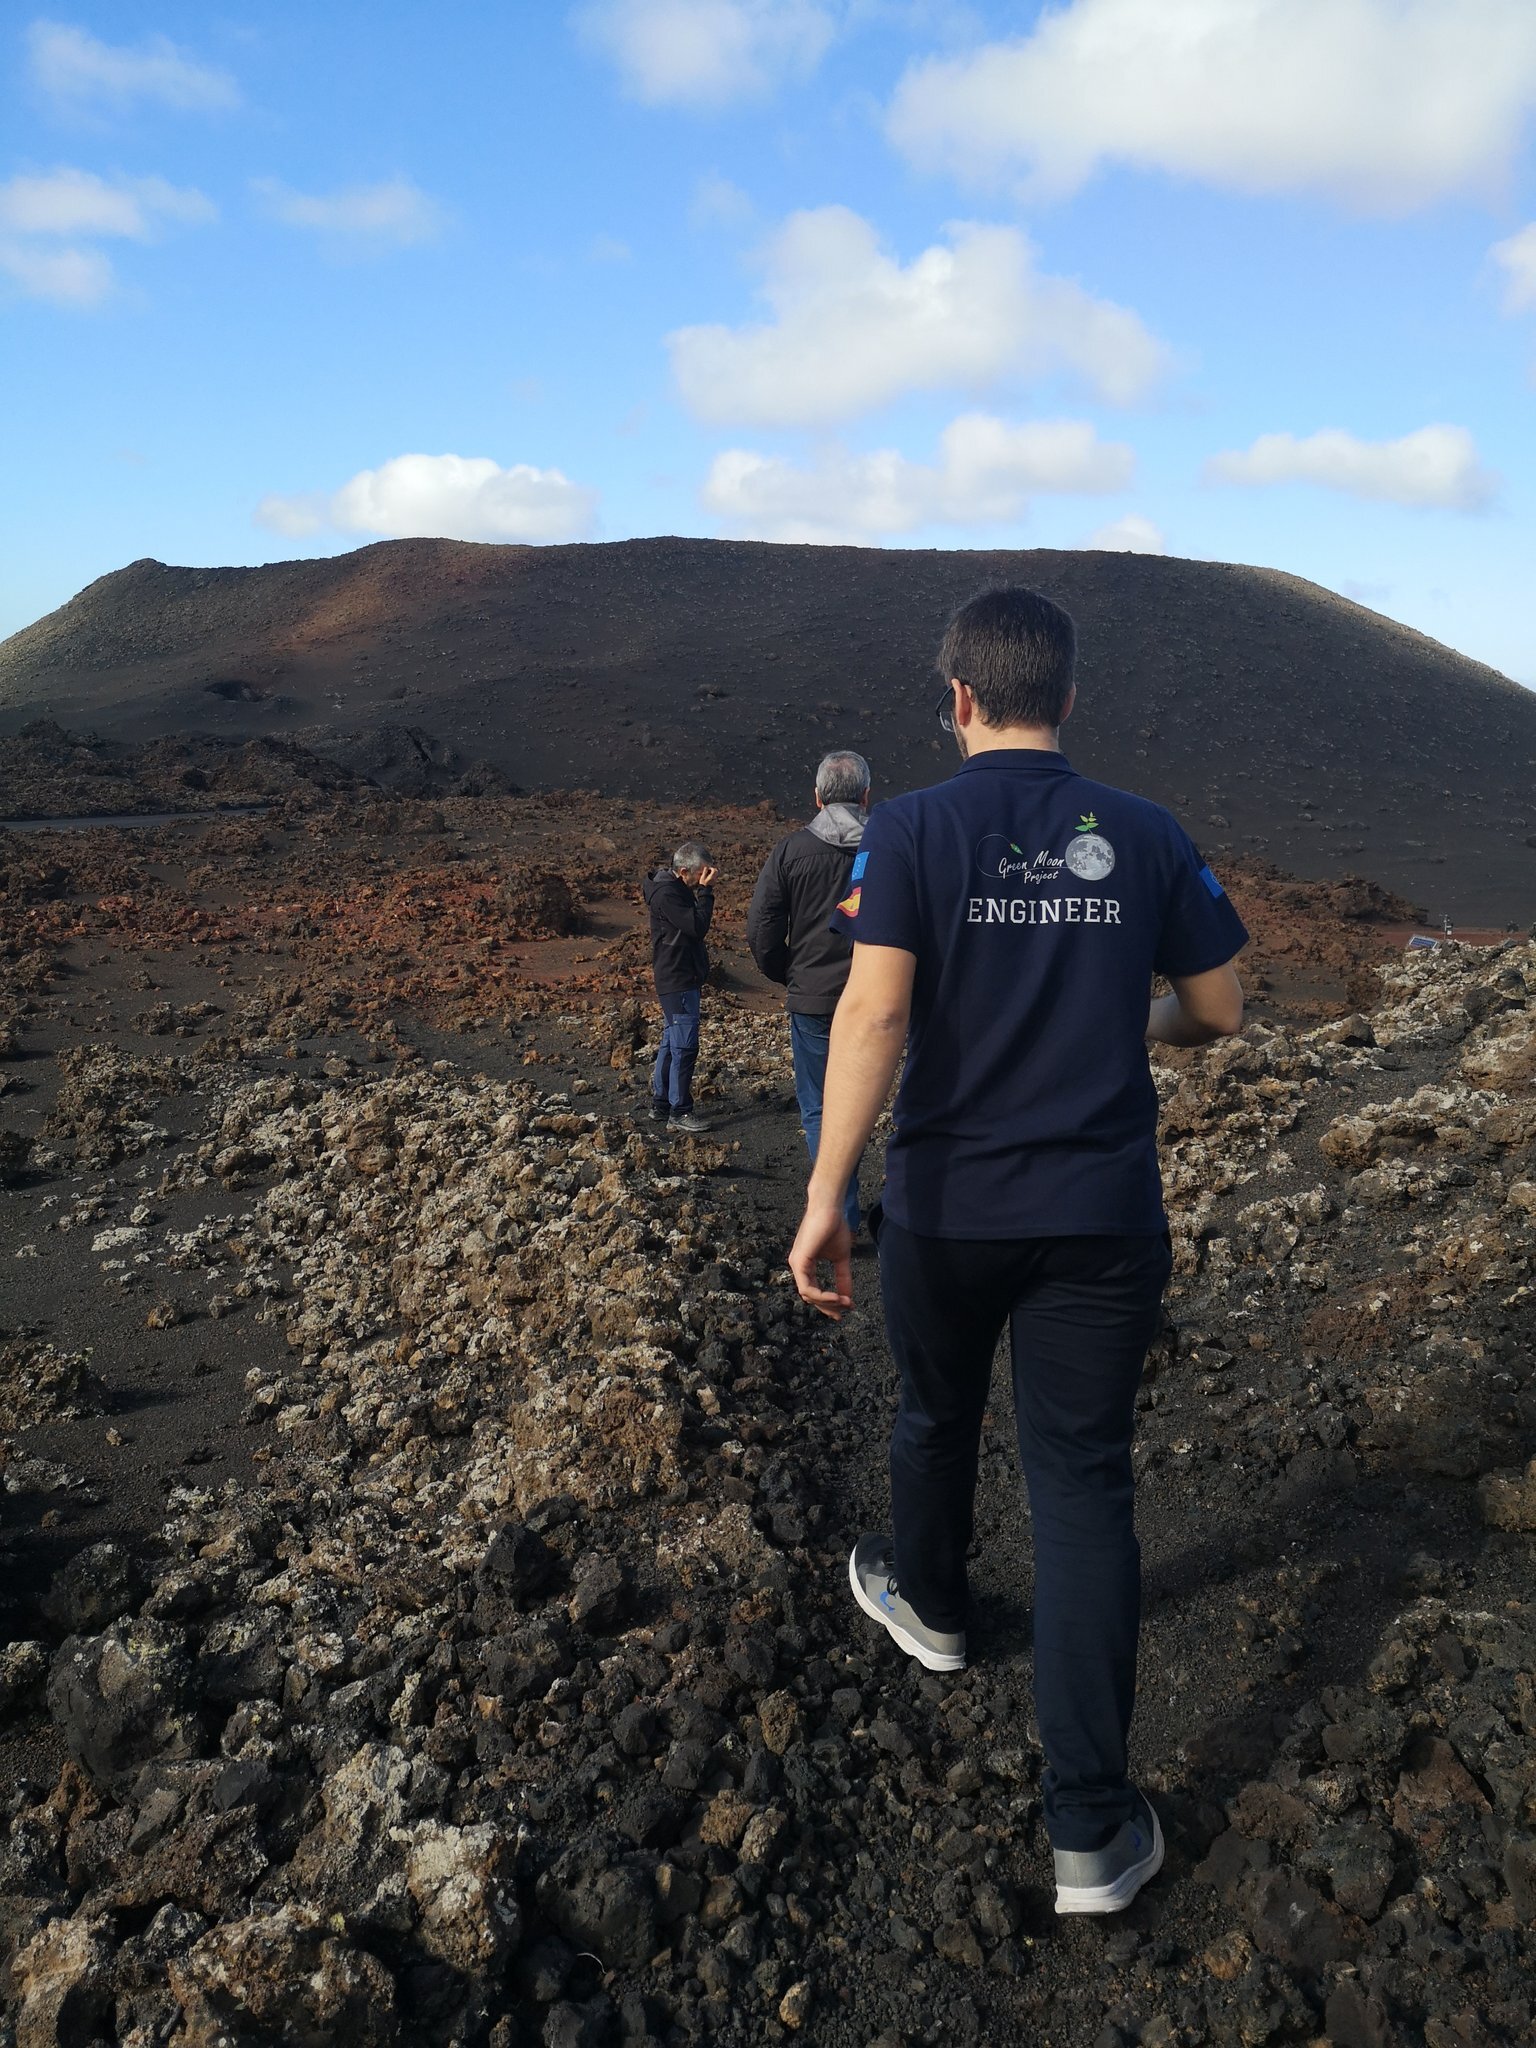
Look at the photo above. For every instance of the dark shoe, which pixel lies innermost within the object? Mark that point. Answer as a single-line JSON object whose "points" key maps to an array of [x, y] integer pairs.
{"points": [[659, 1111], [690, 1121], [872, 1575], [1106, 1880]]}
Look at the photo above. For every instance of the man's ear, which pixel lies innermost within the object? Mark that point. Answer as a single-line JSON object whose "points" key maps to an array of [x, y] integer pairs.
{"points": [[819, 804], [1066, 709]]}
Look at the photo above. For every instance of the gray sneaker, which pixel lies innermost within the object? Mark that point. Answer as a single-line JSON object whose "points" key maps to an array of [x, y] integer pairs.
{"points": [[872, 1575], [1106, 1880], [691, 1122]]}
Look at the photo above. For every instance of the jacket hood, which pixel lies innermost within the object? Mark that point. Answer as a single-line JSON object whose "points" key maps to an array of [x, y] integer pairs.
{"points": [[839, 824]]}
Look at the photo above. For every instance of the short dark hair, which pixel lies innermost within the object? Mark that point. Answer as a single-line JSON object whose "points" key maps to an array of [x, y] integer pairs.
{"points": [[1016, 651]]}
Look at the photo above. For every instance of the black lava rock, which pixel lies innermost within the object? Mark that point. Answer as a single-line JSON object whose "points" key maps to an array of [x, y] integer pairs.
{"points": [[519, 1564], [601, 1902], [98, 1586], [126, 1698], [600, 1596]]}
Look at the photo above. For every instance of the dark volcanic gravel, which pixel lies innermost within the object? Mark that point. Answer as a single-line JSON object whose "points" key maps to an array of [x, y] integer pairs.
{"points": [[487, 1671]]}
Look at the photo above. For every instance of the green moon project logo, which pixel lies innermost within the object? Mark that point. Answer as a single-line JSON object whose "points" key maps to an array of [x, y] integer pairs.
{"points": [[1089, 855], [1002, 859]]}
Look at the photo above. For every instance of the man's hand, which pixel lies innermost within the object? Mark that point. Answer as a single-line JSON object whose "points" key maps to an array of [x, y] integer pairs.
{"points": [[706, 878], [824, 1237]]}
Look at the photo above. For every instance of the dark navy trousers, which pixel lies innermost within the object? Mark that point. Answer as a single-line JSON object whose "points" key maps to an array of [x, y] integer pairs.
{"points": [[1082, 1311], [672, 1075], [810, 1040]]}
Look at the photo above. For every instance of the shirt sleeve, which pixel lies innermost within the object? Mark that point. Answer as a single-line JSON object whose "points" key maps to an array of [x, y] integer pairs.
{"points": [[881, 907], [768, 919], [684, 911], [1200, 928]]}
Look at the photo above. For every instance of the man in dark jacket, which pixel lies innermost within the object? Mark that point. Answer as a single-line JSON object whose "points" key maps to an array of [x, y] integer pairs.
{"points": [[804, 880], [681, 902]]}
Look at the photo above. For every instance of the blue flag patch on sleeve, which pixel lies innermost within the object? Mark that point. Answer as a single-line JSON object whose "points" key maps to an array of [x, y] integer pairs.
{"points": [[1211, 882], [860, 863]]}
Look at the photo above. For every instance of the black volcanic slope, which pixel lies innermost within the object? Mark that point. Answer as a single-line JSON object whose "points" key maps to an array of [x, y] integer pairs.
{"points": [[1273, 716]]}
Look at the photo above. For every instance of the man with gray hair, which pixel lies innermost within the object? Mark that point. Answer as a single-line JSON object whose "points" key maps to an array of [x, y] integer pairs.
{"points": [[681, 902], [804, 880]]}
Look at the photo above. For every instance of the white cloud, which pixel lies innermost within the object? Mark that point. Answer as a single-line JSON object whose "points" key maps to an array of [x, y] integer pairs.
{"points": [[717, 203], [1436, 465], [707, 54], [395, 211], [986, 472], [74, 68], [78, 207], [71, 202], [450, 497], [610, 249], [1135, 534], [1385, 104], [852, 328], [1516, 257], [63, 277]]}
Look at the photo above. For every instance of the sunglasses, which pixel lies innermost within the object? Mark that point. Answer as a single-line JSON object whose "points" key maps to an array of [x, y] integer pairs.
{"points": [[945, 708]]}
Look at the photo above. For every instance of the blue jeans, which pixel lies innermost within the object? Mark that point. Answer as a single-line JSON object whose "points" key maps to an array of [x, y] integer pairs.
{"points": [[1083, 1311], [809, 1038], [672, 1076]]}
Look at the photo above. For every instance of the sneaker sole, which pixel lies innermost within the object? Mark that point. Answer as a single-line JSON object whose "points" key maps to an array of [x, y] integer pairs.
{"points": [[1114, 1898], [932, 1660]]}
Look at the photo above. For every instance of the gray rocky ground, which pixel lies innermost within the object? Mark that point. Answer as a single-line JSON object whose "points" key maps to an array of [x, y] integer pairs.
{"points": [[488, 1672]]}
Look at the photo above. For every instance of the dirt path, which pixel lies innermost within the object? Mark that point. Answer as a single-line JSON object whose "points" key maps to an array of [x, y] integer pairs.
{"points": [[1219, 1558]]}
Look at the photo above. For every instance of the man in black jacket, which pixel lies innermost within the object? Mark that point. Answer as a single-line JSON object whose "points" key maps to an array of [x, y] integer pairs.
{"points": [[804, 880], [681, 902]]}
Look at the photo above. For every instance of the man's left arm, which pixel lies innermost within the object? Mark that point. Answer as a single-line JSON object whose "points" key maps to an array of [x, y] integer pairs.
{"points": [[768, 921], [869, 1030]]}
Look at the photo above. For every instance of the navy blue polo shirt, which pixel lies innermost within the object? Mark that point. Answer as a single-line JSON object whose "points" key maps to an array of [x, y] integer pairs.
{"points": [[1038, 906]]}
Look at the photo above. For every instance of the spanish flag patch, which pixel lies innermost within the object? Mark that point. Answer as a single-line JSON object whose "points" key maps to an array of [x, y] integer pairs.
{"points": [[850, 903]]}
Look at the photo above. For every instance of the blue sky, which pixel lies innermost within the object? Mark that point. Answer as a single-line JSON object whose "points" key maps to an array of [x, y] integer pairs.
{"points": [[1252, 280]]}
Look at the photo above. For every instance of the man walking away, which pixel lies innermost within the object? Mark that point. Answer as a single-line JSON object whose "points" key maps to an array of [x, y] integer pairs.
{"points": [[681, 902], [1007, 929], [803, 881]]}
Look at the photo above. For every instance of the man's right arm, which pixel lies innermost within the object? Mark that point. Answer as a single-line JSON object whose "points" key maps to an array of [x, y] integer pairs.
{"points": [[768, 921], [1202, 1007], [686, 913]]}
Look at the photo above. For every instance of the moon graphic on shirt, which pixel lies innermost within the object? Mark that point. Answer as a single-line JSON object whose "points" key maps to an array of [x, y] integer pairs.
{"points": [[1090, 858]]}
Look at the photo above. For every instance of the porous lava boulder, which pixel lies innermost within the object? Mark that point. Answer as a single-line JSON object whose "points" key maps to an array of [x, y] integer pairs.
{"points": [[602, 1901], [368, 1803], [125, 1698], [539, 906], [60, 1985], [518, 1564], [1508, 1499], [461, 1883], [98, 1586], [15, 1148], [285, 1978]]}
